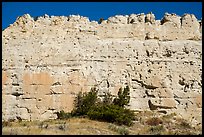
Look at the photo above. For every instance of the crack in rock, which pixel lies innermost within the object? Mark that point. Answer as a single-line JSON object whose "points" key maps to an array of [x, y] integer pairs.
{"points": [[145, 85], [16, 94], [156, 107]]}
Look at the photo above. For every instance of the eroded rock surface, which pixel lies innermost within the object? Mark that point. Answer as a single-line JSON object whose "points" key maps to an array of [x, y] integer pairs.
{"points": [[48, 60]]}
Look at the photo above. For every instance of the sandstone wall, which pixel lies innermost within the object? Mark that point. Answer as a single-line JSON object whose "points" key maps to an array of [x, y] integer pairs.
{"points": [[48, 60]]}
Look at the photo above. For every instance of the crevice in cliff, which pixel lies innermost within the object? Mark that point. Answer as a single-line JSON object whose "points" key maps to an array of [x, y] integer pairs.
{"points": [[148, 95], [17, 94], [15, 84], [28, 110], [35, 84], [28, 98], [52, 109], [108, 85], [74, 69], [56, 83], [178, 101], [155, 107], [53, 92], [101, 82], [145, 85]]}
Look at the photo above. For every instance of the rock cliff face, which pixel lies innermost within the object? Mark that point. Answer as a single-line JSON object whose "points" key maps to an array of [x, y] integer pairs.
{"points": [[48, 60]]}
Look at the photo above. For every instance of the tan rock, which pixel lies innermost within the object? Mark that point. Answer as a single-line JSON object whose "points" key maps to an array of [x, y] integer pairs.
{"points": [[150, 18], [45, 67], [4, 77], [165, 103], [134, 19], [198, 101], [172, 18], [118, 19]]}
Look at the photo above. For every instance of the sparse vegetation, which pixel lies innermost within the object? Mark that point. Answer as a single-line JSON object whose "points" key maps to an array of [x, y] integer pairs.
{"points": [[63, 115], [107, 98], [123, 97], [43, 125], [6, 124], [184, 124], [157, 130], [62, 126], [111, 111], [114, 111], [154, 121], [121, 130], [79, 126]]}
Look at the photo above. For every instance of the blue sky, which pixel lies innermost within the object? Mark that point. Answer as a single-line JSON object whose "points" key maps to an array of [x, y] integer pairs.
{"points": [[96, 10]]}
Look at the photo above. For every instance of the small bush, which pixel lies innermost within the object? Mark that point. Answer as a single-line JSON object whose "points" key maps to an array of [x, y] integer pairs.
{"points": [[169, 116], [184, 124], [43, 125], [63, 115], [11, 120], [123, 97], [6, 124], [107, 99], [112, 113], [87, 104], [84, 102], [154, 121], [62, 126], [24, 124], [121, 130]]}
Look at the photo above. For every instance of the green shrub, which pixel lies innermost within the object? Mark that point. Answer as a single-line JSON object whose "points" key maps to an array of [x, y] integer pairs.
{"points": [[112, 113], [107, 110], [63, 115], [87, 104], [123, 97], [84, 102], [107, 99]]}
